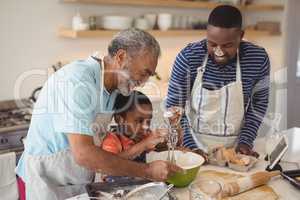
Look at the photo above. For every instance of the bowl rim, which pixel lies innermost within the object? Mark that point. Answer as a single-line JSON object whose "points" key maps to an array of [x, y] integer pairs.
{"points": [[201, 159]]}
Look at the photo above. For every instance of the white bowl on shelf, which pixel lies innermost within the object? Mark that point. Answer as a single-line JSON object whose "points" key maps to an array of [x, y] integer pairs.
{"points": [[116, 22], [81, 27], [164, 21], [142, 24], [151, 19]]}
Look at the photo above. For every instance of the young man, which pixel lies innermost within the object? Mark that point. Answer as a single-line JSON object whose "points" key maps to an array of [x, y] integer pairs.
{"points": [[225, 82]]}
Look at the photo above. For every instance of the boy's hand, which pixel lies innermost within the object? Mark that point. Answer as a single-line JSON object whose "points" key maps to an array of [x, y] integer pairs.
{"points": [[152, 140], [164, 132]]}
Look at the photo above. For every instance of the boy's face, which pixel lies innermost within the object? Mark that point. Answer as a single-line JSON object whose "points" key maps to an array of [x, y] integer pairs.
{"points": [[137, 121]]}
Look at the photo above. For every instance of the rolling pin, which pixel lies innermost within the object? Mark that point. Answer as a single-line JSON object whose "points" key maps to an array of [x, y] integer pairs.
{"points": [[243, 184]]}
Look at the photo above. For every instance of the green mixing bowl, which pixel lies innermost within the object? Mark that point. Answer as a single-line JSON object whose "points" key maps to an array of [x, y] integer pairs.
{"points": [[189, 161]]}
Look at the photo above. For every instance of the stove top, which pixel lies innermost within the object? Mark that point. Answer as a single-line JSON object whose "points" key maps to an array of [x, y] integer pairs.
{"points": [[15, 115], [14, 123]]}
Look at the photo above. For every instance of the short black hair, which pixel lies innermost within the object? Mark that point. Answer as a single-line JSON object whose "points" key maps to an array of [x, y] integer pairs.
{"points": [[124, 104], [226, 16]]}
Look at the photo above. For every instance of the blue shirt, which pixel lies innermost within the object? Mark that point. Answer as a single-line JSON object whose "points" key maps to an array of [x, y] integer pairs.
{"points": [[68, 103], [255, 70]]}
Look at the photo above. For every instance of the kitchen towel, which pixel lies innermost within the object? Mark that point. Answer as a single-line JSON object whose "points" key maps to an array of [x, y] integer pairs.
{"points": [[8, 181]]}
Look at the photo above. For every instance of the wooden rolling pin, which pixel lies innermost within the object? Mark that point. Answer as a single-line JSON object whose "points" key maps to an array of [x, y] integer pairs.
{"points": [[247, 183]]}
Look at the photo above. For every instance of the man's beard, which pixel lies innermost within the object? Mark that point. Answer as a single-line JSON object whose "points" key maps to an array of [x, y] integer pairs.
{"points": [[219, 56], [124, 86]]}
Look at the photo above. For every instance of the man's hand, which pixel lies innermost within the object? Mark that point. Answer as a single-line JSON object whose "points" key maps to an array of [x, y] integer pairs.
{"points": [[160, 170], [197, 151], [245, 149]]}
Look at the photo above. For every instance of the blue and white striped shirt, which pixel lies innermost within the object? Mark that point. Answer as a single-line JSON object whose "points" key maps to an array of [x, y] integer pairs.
{"points": [[255, 69]]}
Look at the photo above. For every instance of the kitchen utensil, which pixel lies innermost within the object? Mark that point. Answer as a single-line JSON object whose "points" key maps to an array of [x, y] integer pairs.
{"points": [[171, 142], [149, 191], [167, 115], [188, 161], [166, 192], [117, 22], [246, 183], [94, 189], [205, 189], [164, 21], [292, 176], [264, 192], [172, 118], [142, 23]]}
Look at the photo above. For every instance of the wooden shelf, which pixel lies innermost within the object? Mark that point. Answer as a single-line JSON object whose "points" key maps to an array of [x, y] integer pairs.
{"points": [[262, 7], [176, 4], [68, 33]]}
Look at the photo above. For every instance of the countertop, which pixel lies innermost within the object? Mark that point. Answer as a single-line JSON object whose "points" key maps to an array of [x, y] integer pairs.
{"points": [[284, 190]]}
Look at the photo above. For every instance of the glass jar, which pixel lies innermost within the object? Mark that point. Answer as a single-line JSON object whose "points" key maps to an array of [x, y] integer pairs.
{"points": [[92, 22]]}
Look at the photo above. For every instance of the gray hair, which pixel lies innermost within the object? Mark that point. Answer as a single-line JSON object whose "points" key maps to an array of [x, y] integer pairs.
{"points": [[134, 41]]}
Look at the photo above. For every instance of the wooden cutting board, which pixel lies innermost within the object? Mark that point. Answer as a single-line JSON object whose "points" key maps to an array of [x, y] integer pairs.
{"points": [[260, 193]]}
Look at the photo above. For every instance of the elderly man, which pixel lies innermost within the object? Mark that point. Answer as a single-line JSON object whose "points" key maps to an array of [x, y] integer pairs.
{"points": [[60, 152], [225, 82]]}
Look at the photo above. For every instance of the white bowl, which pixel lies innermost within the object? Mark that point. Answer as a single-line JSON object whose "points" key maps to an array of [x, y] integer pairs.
{"points": [[142, 23], [151, 19], [185, 160], [164, 21], [80, 27], [188, 161], [117, 22]]}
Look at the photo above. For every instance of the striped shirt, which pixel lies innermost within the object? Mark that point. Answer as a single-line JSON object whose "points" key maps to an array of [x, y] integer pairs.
{"points": [[255, 70]]}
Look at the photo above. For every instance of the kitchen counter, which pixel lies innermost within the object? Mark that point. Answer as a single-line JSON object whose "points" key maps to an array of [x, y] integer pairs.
{"points": [[283, 188]]}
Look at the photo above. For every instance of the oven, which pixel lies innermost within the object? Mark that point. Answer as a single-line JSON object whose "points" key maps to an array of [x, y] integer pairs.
{"points": [[14, 124]]}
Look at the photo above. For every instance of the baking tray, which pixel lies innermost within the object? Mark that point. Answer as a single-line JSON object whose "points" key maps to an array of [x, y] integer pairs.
{"points": [[223, 163], [291, 176], [93, 189]]}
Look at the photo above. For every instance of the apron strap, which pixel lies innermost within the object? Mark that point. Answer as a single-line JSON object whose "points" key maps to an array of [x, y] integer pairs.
{"points": [[238, 68], [201, 69]]}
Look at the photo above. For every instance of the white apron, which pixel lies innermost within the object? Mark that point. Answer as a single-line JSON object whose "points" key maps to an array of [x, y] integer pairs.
{"points": [[58, 176], [216, 116], [55, 177]]}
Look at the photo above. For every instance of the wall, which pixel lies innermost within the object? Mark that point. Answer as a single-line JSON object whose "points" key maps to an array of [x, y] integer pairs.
{"points": [[28, 38]]}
